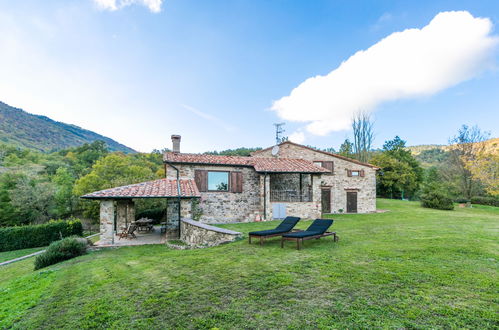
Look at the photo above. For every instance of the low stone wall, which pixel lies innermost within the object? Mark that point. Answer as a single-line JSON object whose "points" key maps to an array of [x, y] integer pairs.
{"points": [[195, 233]]}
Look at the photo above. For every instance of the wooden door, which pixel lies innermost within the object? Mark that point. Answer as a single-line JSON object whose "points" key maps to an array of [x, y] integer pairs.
{"points": [[326, 200], [351, 201]]}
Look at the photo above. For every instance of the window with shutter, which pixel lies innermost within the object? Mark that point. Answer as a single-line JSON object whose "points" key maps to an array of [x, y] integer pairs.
{"points": [[236, 182], [328, 165], [201, 179]]}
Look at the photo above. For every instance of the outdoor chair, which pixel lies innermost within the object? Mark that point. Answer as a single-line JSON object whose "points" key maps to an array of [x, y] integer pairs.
{"points": [[129, 232], [285, 226], [316, 230]]}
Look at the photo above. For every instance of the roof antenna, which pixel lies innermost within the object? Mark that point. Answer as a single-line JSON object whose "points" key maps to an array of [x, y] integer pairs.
{"points": [[278, 132]]}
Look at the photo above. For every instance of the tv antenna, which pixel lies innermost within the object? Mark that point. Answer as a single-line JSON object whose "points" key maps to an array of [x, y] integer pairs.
{"points": [[278, 132]]}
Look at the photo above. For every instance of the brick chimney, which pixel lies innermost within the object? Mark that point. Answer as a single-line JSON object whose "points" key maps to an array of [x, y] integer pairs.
{"points": [[176, 143]]}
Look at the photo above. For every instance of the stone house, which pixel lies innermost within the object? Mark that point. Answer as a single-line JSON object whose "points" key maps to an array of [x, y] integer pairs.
{"points": [[288, 179]]}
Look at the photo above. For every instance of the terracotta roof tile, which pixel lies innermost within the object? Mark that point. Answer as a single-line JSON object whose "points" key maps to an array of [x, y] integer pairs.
{"points": [[259, 164], [317, 150], [158, 188]]}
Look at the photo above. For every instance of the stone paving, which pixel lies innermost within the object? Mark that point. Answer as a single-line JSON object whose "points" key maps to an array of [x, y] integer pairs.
{"points": [[143, 238]]}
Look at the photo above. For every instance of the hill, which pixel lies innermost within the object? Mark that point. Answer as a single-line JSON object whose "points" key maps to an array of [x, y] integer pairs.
{"points": [[434, 154], [22, 129]]}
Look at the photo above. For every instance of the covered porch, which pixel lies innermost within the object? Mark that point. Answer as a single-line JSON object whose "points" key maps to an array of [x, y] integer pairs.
{"points": [[117, 211]]}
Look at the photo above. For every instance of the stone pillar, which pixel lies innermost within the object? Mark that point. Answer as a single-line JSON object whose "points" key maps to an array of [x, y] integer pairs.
{"points": [[106, 221], [130, 213], [121, 214], [186, 208], [266, 195]]}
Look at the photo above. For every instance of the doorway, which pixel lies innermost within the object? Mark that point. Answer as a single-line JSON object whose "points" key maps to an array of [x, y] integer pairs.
{"points": [[351, 201], [326, 200]]}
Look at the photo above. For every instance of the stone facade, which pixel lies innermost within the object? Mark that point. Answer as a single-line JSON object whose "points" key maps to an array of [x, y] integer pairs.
{"points": [[255, 202], [195, 233], [219, 207], [339, 182]]}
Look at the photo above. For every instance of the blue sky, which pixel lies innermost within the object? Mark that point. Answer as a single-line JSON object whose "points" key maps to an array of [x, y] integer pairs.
{"points": [[212, 70]]}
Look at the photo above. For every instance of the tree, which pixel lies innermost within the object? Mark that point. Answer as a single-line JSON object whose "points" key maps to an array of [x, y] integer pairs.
{"points": [[33, 199], [464, 149], [114, 170], [63, 197], [363, 132], [346, 149], [400, 174], [485, 168]]}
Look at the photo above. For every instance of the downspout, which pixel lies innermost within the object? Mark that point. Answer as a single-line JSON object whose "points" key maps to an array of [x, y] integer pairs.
{"points": [[179, 193]]}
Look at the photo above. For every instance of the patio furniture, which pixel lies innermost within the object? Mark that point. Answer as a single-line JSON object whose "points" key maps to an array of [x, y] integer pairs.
{"points": [[128, 232], [316, 230], [285, 226], [145, 224]]}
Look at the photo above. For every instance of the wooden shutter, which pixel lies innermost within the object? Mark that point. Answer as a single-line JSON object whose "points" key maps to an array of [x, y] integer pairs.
{"points": [[329, 166], [349, 172], [201, 179], [362, 173], [236, 182]]}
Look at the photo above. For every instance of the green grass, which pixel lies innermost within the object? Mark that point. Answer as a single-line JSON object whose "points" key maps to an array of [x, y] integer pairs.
{"points": [[9, 255], [407, 268]]}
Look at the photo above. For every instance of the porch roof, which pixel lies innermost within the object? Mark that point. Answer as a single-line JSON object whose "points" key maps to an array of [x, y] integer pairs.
{"points": [[261, 165], [162, 188]]}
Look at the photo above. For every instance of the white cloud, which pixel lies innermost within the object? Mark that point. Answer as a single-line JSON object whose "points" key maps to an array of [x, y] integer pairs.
{"points": [[453, 47], [297, 137], [153, 5]]}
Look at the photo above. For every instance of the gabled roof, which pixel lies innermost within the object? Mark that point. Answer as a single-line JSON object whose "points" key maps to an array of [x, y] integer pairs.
{"points": [[261, 165], [320, 151], [151, 189], [176, 157]]}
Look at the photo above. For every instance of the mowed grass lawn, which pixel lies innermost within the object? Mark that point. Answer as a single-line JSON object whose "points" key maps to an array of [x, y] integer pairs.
{"points": [[407, 268]]}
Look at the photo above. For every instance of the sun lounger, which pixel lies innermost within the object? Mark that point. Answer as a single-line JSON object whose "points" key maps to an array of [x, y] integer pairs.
{"points": [[285, 226], [316, 230]]}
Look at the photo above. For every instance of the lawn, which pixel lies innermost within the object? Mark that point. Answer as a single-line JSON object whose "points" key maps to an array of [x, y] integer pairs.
{"points": [[9, 255], [407, 268]]}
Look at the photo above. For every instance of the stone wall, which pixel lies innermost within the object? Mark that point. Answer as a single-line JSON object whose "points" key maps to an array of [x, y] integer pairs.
{"points": [[339, 181], [195, 233], [223, 207]]}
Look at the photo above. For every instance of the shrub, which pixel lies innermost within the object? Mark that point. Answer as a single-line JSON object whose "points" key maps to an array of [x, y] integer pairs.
{"points": [[23, 237], [156, 214], [67, 248], [435, 199], [484, 200]]}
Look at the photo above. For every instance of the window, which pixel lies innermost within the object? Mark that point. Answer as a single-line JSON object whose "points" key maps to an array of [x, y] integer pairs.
{"points": [[218, 181], [327, 165], [356, 173]]}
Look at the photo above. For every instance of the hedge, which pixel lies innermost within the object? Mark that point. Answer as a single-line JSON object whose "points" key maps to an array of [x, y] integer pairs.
{"points": [[65, 249], [24, 237], [492, 201]]}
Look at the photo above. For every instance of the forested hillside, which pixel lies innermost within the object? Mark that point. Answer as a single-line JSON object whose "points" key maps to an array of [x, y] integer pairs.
{"points": [[21, 129]]}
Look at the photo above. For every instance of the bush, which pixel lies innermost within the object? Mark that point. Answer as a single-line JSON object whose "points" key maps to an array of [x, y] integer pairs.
{"points": [[156, 214], [67, 248], [483, 200], [23, 237], [435, 199]]}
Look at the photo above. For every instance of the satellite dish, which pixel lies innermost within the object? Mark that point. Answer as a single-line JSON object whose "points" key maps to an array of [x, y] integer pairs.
{"points": [[275, 150]]}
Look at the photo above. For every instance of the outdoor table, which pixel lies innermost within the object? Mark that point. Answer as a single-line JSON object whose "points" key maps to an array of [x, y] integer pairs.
{"points": [[145, 224]]}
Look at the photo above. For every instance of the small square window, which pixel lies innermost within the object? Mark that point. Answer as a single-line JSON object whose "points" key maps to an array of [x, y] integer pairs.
{"points": [[218, 181], [355, 173]]}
